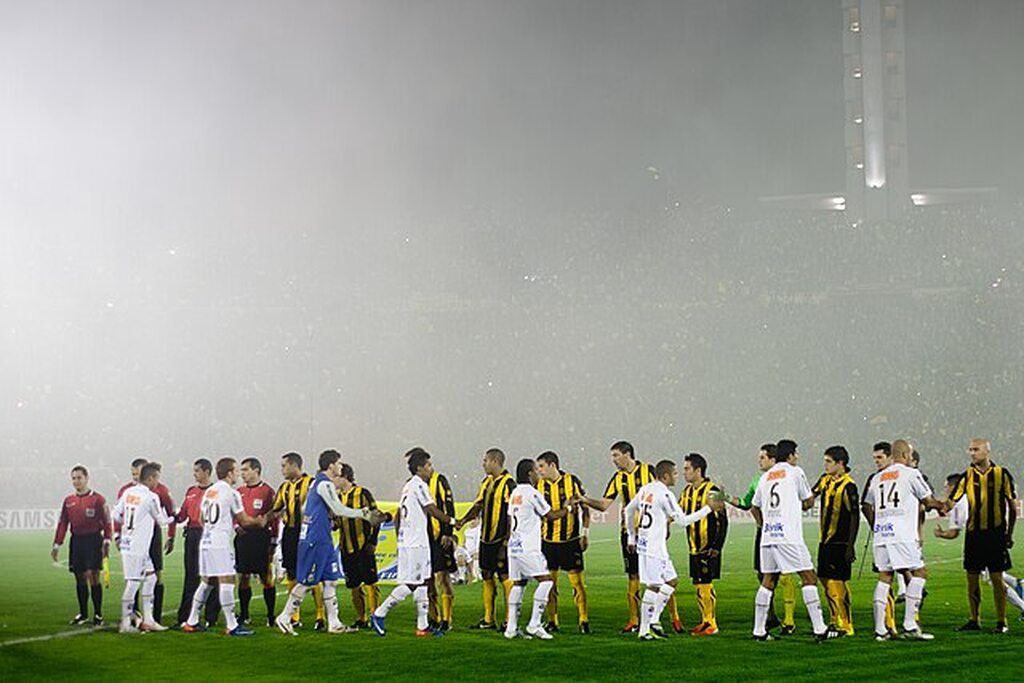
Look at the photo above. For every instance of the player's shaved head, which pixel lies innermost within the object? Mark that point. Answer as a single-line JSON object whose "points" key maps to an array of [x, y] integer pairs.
{"points": [[901, 450], [663, 468], [149, 471], [496, 454], [224, 467]]}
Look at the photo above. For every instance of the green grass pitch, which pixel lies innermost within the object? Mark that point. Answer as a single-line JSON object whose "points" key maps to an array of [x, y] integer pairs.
{"points": [[37, 599]]}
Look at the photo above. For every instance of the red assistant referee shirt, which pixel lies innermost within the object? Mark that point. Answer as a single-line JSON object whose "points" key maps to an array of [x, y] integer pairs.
{"points": [[258, 500], [84, 514], [190, 512]]}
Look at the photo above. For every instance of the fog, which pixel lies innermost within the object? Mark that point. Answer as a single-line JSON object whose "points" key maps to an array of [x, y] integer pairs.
{"points": [[248, 228]]}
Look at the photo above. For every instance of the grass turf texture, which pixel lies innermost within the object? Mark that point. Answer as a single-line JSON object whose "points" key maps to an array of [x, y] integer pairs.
{"points": [[38, 599]]}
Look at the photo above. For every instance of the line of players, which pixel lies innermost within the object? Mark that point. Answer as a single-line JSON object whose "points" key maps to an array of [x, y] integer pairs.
{"points": [[314, 559]]}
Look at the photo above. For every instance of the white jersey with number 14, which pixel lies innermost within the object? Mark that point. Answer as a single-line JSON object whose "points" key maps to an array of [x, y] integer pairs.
{"points": [[895, 493]]}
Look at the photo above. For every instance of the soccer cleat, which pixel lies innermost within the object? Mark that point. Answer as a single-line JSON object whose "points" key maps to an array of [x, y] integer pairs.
{"points": [[517, 634], [764, 637], [707, 630], [78, 620], [296, 624], [699, 628], [1000, 628], [901, 598], [677, 626], [378, 625], [772, 622], [882, 637], [1020, 589], [342, 628], [585, 627], [630, 627], [97, 620], [830, 633], [433, 632], [239, 631], [127, 627], [151, 627], [285, 626], [916, 634], [320, 625], [359, 623], [486, 625], [657, 630], [787, 630], [648, 637], [192, 628], [969, 626], [444, 627], [551, 627], [539, 632], [270, 622]]}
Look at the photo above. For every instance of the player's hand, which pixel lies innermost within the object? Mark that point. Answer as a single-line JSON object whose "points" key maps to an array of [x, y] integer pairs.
{"points": [[714, 553], [631, 548], [939, 531], [851, 553], [447, 542], [584, 543], [459, 523], [53, 552], [106, 548], [374, 517], [1009, 541], [169, 546]]}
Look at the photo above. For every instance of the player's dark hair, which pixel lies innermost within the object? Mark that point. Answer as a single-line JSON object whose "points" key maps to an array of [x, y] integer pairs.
{"points": [[883, 446], [347, 472], [415, 449], [698, 462], [915, 456], [769, 448], [80, 468], [328, 458], [138, 462], [523, 469], [550, 457], [417, 458], [293, 459], [497, 455], [203, 464], [784, 449], [954, 479], [253, 463], [225, 465], [840, 455], [624, 447], [148, 470], [662, 468]]}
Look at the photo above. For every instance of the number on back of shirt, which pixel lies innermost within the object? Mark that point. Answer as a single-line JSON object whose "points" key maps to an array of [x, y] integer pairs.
{"points": [[210, 513], [892, 497], [646, 518], [129, 517], [773, 496]]}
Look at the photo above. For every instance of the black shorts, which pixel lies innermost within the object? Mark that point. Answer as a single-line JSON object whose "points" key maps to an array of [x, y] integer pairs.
{"points": [[290, 550], [494, 557], [360, 567], [986, 550], [441, 559], [832, 562], [252, 552], [156, 549], [566, 556], [705, 568], [630, 561], [85, 552]]}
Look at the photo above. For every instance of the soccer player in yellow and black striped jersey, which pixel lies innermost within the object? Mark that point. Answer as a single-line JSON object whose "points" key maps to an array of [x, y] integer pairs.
{"points": [[442, 555], [629, 477], [840, 522], [705, 539], [563, 541], [357, 545], [991, 516], [288, 505], [491, 505]]}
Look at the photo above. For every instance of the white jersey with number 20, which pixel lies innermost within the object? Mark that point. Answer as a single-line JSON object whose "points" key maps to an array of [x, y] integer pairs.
{"points": [[220, 505], [780, 495]]}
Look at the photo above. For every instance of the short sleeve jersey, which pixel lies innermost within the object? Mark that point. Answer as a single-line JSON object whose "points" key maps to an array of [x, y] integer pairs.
{"points": [[138, 512], [220, 505], [894, 493], [651, 508], [958, 515], [780, 495], [526, 508], [412, 532]]}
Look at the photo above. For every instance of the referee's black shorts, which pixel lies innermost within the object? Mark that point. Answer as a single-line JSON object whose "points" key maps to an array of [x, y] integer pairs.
{"points": [[630, 560], [360, 567], [252, 552], [494, 557], [832, 563], [565, 556], [986, 550], [85, 552], [441, 559]]}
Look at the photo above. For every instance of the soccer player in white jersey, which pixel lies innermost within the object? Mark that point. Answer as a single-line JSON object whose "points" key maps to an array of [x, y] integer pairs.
{"points": [[137, 511], [778, 504], [221, 507], [647, 517], [415, 508], [526, 508], [891, 507]]}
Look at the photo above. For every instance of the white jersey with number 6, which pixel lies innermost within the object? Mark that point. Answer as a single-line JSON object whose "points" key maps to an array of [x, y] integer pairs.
{"points": [[413, 522], [220, 505], [648, 516], [138, 511], [894, 494], [780, 495], [526, 507]]}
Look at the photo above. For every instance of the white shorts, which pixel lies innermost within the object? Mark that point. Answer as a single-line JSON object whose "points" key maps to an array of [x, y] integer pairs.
{"points": [[216, 562], [785, 558], [136, 566], [414, 566], [527, 566], [655, 571], [897, 556]]}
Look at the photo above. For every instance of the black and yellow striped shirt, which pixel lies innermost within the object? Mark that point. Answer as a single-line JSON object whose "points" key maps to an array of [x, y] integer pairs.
{"points": [[493, 499], [356, 533], [624, 485], [708, 533], [441, 493], [988, 494], [291, 498], [557, 493], [840, 505]]}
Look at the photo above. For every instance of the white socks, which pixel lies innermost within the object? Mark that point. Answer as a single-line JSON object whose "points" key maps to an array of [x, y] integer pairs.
{"points": [[294, 601], [131, 587], [881, 597], [198, 600], [915, 591], [331, 604], [540, 601], [422, 606], [762, 601], [227, 604], [515, 604], [813, 604], [400, 592], [148, 584]]}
